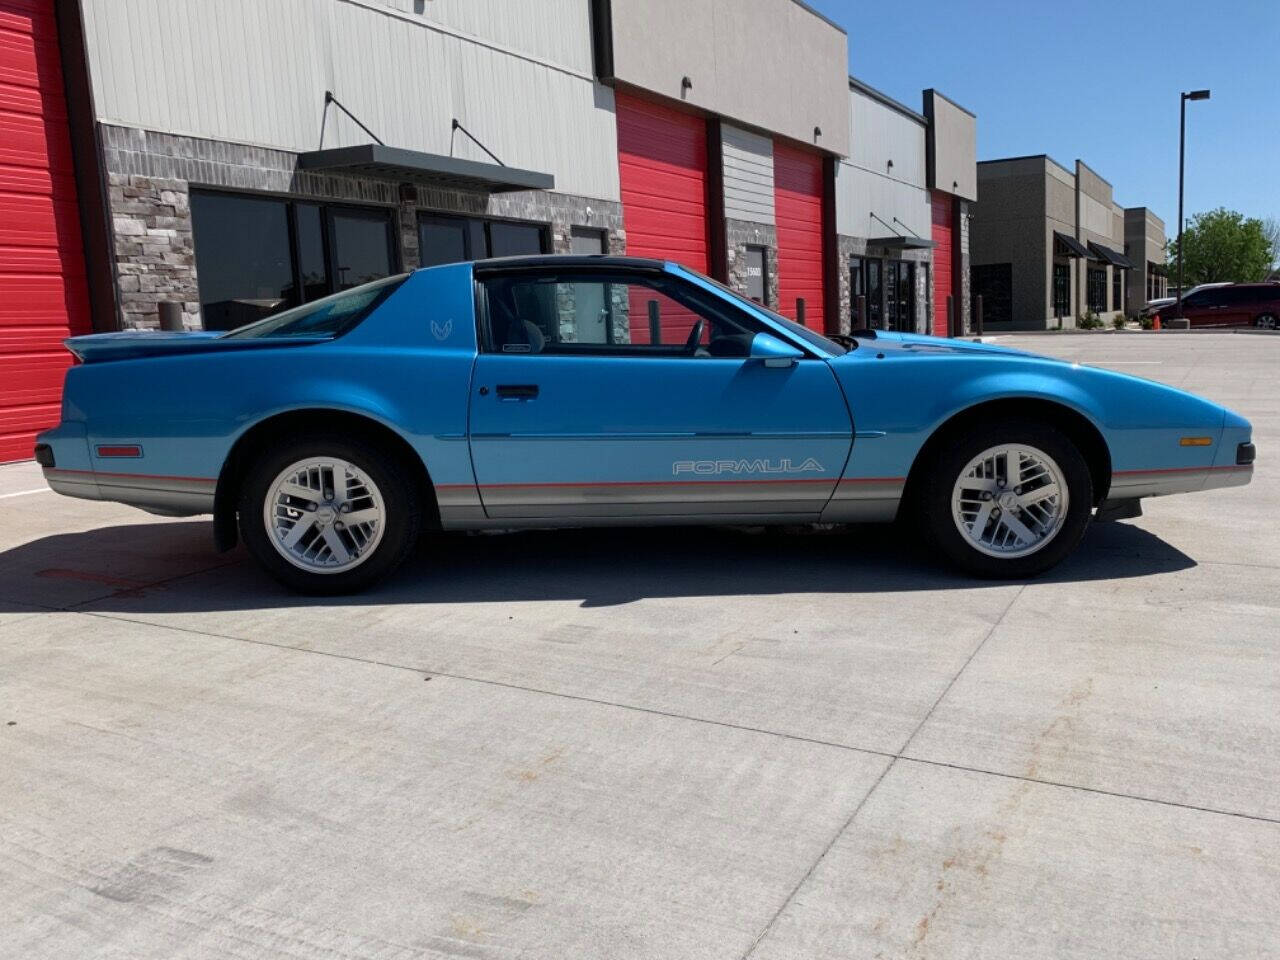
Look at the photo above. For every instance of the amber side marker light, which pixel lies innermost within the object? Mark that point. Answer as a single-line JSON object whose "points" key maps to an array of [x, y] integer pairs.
{"points": [[1196, 442]]}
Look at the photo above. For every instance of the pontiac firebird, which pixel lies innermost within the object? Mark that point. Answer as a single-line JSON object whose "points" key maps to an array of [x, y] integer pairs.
{"points": [[569, 391]]}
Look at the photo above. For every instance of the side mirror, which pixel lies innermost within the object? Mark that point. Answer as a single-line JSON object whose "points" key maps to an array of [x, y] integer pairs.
{"points": [[773, 351]]}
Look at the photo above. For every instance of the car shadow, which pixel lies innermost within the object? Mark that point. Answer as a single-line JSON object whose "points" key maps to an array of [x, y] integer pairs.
{"points": [[596, 567]]}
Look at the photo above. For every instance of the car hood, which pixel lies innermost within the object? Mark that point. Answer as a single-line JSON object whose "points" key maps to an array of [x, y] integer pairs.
{"points": [[920, 345]]}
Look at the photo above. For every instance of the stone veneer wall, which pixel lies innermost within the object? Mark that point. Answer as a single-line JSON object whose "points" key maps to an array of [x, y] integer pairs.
{"points": [[150, 174], [857, 247], [740, 234]]}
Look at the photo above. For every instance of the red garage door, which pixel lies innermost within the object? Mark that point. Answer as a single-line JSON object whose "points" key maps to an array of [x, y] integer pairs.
{"points": [[797, 199], [662, 165], [942, 221], [43, 295]]}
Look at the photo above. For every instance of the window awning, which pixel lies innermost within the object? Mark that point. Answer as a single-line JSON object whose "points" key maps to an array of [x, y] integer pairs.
{"points": [[396, 163], [902, 243], [1074, 248], [1113, 257]]}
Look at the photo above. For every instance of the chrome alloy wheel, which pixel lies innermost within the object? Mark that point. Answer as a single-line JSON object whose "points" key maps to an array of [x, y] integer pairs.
{"points": [[324, 515], [1010, 500], [1266, 322]]}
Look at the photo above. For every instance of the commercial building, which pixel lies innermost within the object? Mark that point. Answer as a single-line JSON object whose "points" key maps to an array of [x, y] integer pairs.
{"points": [[1049, 243], [1145, 246], [902, 198], [233, 159]]}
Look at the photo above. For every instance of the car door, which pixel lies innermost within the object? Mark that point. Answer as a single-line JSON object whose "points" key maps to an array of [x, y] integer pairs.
{"points": [[1197, 308], [644, 404]]}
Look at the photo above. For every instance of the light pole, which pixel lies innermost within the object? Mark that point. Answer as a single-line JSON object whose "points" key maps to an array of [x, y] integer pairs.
{"points": [[1182, 156]]}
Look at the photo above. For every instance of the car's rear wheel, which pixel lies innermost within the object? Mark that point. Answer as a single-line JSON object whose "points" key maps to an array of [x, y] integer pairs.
{"points": [[327, 515], [1007, 500], [1267, 321]]}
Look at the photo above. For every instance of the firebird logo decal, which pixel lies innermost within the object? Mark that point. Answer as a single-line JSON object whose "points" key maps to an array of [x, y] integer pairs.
{"points": [[706, 468], [442, 332]]}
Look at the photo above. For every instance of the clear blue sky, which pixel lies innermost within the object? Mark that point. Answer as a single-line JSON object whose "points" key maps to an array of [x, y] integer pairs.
{"points": [[1098, 81]]}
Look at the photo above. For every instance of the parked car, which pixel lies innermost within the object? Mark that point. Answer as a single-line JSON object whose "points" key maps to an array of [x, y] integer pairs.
{"points": [[1155, 306], [1231, 305], [569, 391]]}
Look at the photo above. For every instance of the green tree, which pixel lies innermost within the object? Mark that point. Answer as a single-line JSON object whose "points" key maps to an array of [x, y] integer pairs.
{"points": [[1223, 245]]}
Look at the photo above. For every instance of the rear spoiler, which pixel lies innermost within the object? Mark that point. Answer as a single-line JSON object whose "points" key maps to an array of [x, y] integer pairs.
{"points": [[136, 344]]}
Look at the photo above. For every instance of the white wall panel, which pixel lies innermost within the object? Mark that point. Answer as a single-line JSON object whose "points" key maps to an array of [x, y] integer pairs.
{"points": [[255, 71], [878, 134], [748, 175], [558, 31], [859, 193]]}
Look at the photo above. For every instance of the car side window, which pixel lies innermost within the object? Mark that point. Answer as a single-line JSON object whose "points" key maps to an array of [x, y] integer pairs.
{"points": [[595, 313]]}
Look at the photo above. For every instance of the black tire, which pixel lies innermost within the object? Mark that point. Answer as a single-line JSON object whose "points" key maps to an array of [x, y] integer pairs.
{"points": [[955, 453], [401, 524], [1268, 321]]}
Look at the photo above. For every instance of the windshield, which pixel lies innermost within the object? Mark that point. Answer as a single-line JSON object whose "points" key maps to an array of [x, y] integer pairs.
{"points": [[804, 333], [330, 317]]}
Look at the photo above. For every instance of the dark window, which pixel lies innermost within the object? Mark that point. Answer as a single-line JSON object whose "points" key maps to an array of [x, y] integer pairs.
{"points": [[857, 289], [1062, 289], [1096, 288], [329, 317], [442, 241], [994, 283], [312, 260], [256, 256], [362, 247], [1117, 288], [243, 261], [587, 240], [514, 239], [592, 312], [445, 239], [900, 299], [875, 293]]}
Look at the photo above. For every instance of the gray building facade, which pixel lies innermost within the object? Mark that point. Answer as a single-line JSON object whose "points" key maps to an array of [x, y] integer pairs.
{"points": [[1146, 247], [1048, 245]]}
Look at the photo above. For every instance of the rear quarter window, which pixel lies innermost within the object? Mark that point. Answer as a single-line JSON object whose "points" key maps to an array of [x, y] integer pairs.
{"points": [[329, 317]]}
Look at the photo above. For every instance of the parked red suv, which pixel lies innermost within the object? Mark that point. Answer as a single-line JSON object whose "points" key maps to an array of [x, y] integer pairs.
{"points": [[1235, 305]]}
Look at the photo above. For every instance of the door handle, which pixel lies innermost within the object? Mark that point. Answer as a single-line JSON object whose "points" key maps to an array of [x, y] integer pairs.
{"points": [[517, 391]]}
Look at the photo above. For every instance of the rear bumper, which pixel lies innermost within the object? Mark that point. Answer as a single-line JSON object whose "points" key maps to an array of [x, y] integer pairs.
{"points": [[165, 496]]}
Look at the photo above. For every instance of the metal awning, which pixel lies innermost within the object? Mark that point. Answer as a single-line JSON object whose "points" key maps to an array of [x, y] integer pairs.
{"points": [[396, 163], [1074, 247], [1113, 257], [902, 243]]}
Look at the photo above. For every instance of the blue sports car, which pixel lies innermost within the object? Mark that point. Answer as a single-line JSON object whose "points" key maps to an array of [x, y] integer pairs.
{"points": [[566, 391]]}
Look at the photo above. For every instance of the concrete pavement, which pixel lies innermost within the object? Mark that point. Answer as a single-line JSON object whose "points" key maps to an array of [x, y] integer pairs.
{"points": [[689, 743]]}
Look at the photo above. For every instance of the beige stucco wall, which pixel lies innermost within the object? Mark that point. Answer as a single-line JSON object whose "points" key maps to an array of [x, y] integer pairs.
{"points": [[771, 64]]}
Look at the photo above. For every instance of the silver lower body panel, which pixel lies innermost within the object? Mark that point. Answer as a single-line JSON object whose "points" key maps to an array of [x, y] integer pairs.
{"points": [[163, 496], [1131, 484]]}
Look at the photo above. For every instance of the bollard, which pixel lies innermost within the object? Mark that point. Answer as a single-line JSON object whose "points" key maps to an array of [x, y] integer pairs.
{"points": [[951, 317], [800, 310], [171, 316], [862, 312], [977, 315], [655, 322]]}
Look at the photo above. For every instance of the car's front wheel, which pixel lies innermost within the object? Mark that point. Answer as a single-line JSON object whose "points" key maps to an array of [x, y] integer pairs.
{"points": [[1267, 321], [328, 515], [1007, 500]]}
